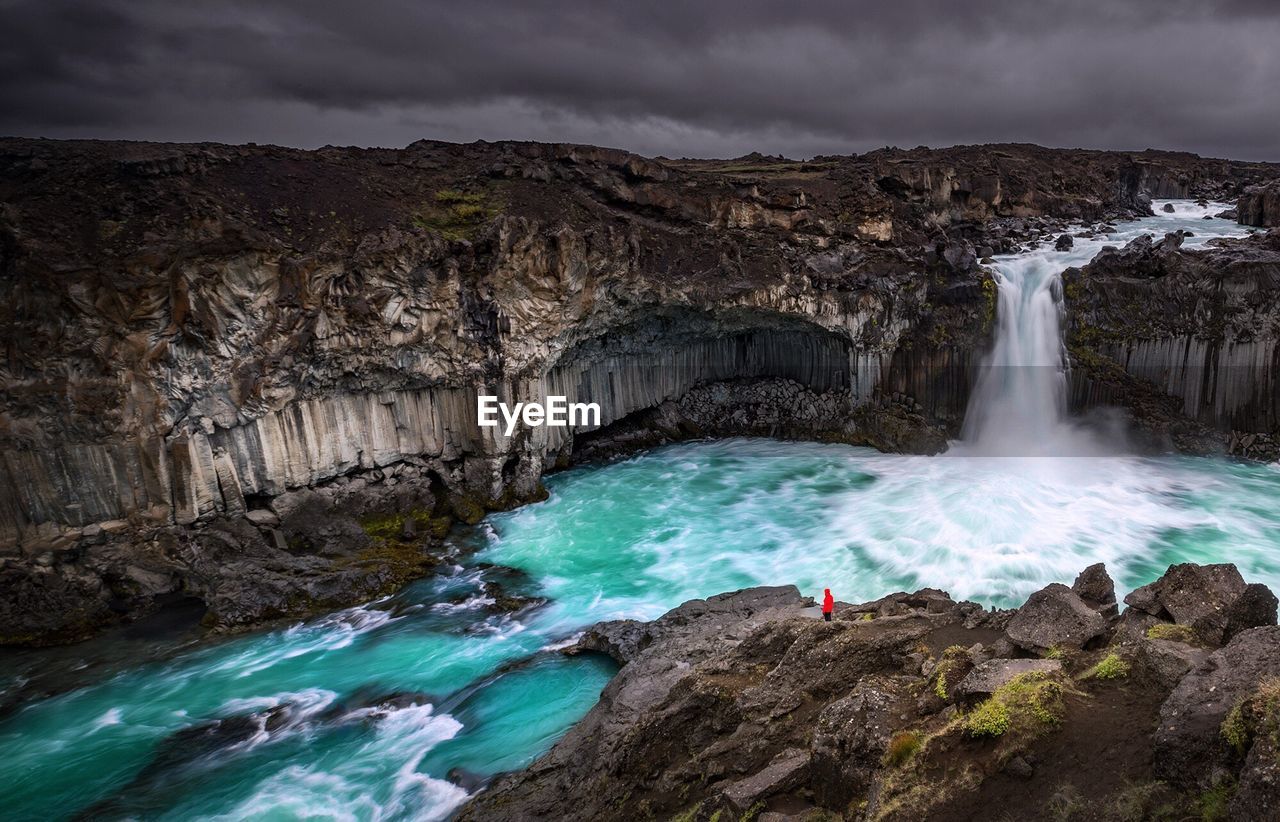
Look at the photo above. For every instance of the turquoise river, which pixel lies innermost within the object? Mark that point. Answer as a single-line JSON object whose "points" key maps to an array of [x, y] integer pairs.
{"points": [[394, 709]]}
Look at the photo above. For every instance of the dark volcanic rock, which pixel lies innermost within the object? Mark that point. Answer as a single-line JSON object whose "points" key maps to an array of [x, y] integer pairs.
{"points": [[726, 672], [746, 705], [1064, 242], [850, 739], [1189, 743], [1153, 328], [1257, 794], [1260, 206], [1255, 607], [988, 676], [1166, 662], [1168, 207], [1095, 587], [1201, 597], [621, 639], [1055, 616]]}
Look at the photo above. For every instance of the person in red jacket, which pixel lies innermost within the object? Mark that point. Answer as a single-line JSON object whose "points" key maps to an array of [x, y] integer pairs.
{"points": [[828, 604]]}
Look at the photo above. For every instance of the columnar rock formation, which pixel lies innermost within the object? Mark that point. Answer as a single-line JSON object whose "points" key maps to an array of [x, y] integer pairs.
{"points": [[1260, 206], [1201, 326], [198, 332]]}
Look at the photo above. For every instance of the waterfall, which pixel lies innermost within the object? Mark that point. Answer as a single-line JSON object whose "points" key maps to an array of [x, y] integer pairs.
{"points": [[1019, 404], [1018, 407]]}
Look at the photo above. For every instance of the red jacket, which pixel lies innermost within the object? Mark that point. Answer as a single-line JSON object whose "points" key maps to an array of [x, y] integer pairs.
{"points": [[828, 602]]}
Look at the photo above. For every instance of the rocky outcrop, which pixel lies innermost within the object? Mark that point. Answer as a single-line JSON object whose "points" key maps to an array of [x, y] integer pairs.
{"points": [[1185, 339], [1260, 206], [1096, 588], [1204, 597], [747, 706]]}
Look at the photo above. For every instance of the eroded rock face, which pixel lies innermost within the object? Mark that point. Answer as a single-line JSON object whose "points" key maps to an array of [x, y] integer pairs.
{"points": [[727, 677], [195, 332], [1260, 206], [1189, 743], [1183, 339]]}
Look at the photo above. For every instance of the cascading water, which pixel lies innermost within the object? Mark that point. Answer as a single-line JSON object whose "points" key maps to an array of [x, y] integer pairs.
{"points": [[385, 712], [1019, 402]]}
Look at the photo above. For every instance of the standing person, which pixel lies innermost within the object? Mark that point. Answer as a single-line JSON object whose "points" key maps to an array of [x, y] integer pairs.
{"points": [[828, 604]]}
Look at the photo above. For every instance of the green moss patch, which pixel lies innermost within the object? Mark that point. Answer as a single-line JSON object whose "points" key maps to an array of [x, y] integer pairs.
{"points": [[1025, 705], [1173, 633], [1255, 715], [1112, 666], [391, 526], [954, 659], [457, 215]]}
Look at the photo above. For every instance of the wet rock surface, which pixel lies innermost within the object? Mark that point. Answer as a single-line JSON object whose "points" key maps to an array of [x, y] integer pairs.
{"points": [[744, 705]]}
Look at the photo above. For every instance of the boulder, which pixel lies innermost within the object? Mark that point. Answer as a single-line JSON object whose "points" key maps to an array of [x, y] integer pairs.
{"points": [[1257, 793], [1252, 609], [1055, 616], [988, 676], [929, 600], [621, 639], [1064, 242], [849, 740], [1168, 208], [1188, 741], [1095, 587], [1166, 662], [959, 254], [1199, 596], [262, 518]]}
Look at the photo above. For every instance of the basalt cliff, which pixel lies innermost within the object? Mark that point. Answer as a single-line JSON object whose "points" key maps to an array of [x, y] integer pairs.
{"points": [[248, 374]]}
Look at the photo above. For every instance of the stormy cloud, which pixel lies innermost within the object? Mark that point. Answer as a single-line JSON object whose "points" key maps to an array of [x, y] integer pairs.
{"points": [[712, 78]]}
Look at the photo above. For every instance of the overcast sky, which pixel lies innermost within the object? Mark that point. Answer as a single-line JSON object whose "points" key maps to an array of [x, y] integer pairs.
{"points": [[715, 78]]}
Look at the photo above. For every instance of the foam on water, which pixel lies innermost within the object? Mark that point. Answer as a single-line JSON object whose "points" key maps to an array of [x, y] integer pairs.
{"points": [[368, 783], [383, 701]]}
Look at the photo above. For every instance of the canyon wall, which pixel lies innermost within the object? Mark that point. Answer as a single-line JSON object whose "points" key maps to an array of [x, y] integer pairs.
{"points": [[203, 334], [1199, 326]]}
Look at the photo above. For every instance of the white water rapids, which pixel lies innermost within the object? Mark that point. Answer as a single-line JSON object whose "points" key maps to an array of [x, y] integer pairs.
{"points": [[382, 704]]}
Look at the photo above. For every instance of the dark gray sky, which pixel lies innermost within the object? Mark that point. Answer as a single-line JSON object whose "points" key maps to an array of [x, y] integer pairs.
{"points": [[713, 78]]}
